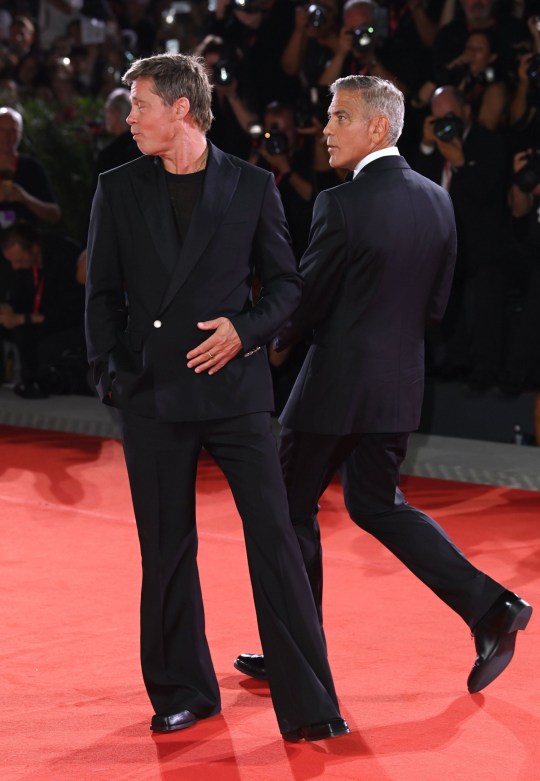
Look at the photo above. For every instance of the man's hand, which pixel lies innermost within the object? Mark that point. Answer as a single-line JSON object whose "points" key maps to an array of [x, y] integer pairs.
{"points": [[216, 351], [10, 319], [452, 151]]}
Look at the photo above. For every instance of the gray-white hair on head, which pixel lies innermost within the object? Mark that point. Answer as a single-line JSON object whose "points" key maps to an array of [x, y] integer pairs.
{"points": [[379, 96]]}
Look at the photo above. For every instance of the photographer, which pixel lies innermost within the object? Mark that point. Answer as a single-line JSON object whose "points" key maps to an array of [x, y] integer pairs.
{"points": [[25, 190], [260, 30], [358, 48], [282, 149], [461, 17], [477, 75], [522, 349], [526, 99], [232, 116], [313, 42], [43, 315], [289, 155], [470, 162]]}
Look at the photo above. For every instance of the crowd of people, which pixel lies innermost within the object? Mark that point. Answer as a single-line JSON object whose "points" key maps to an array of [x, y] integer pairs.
{"points": [[470, 73]]}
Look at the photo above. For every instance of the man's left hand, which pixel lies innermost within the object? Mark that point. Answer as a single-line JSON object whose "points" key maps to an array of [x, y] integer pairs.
{"points": [[216, 351]]}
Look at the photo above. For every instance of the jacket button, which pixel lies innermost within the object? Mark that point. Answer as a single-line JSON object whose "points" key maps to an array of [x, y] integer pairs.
{"points": [[157, 323]]}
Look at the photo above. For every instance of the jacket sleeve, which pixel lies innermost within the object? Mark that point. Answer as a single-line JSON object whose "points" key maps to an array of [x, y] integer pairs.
{"points": [[322, 267], [275, 268], [105, 308]]}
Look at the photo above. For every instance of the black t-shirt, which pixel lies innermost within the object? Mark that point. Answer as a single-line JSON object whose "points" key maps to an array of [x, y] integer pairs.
{"points": [[185, 191]]}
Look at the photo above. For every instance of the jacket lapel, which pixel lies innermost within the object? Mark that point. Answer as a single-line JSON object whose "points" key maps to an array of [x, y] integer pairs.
{"points": [[220, 183], [153, 198]]}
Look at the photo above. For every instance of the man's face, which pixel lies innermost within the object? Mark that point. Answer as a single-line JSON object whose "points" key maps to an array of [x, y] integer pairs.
{"points": [[358, 16], [478, 53], [348, 133], [18, 257], [445, 103], [153, 124]]}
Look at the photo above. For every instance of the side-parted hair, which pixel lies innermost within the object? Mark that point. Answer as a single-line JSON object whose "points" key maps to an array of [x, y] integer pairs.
{"points": [[379, 96], [177, 76]]}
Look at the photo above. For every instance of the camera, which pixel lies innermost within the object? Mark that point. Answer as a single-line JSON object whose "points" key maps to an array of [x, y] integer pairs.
{"points": [[448, 127], [362, 38], [529, 176], [224, 71], [312, 105], [317, 15], [275, 142]]}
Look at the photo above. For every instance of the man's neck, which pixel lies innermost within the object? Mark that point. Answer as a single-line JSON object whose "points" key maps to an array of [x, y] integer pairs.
{"points": [[188, 157]]}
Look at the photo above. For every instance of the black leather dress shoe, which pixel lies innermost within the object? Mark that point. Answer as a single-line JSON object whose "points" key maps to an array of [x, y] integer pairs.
{"points": [[251, 664], [173, 722], [495, 638], [322, 731]]}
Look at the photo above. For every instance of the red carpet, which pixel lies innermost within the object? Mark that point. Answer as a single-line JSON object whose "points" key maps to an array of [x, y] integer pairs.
{"points": [[73, 703]]}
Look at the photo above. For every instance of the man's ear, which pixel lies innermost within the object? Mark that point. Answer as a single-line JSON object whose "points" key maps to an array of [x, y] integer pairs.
{"points": [[181, 107], [379, 128]]}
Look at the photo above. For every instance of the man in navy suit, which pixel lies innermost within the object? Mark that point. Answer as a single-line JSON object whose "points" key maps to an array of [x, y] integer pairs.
{"points": [[174, 342], [378, 268]]}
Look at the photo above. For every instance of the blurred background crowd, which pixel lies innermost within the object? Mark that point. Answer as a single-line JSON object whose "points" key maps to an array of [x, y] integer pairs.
{"points": [[470, 73]]}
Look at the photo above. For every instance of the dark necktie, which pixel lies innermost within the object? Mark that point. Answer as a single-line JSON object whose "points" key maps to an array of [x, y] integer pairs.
{"points": [[350, 176]]}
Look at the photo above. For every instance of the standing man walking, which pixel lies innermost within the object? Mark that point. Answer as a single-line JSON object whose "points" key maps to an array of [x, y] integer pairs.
{"points": [[378, 268], [174, 343]]}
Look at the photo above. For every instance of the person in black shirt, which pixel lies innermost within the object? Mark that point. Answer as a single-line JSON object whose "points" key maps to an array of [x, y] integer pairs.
{"points": [[44, 314]]}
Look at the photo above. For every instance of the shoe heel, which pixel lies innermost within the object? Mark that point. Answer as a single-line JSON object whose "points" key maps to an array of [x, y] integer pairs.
{"points": [[517, 618], [294, 736]]}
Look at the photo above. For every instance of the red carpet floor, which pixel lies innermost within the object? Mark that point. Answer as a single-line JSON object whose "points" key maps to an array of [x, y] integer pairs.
{"points": [[73, 704]]}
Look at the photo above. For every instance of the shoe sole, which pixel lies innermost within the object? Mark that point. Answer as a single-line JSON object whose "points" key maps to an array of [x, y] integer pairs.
{"points": [[244, 671], [175, 728], [295, 736]]}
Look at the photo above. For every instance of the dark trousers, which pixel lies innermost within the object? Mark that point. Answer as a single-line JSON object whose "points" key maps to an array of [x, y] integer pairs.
{"points": [[370, 466], [177, 668]]}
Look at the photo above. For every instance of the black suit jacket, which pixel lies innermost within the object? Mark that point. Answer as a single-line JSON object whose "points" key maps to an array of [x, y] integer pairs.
{"points": [[378, 267], [146, 293]]}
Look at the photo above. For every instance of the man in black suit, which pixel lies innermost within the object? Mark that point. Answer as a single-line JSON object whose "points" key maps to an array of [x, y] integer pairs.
{"points": [[378, 268], [174, 343]]}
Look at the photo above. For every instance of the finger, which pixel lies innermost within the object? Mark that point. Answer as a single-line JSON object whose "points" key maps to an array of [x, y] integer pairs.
{"points": [[208, 325], [198, 356]]}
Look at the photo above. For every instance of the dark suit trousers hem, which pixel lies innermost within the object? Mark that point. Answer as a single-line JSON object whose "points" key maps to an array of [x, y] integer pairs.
{"points": [[177, 667]]}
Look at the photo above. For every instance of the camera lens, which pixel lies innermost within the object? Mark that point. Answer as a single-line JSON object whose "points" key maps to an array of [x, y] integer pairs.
{"points": [[317, 15]]}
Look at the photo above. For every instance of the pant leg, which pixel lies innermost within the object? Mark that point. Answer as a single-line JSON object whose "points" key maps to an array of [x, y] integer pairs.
{"points": [[177, 669], [309, 462], [300, 680], [370, 479]]}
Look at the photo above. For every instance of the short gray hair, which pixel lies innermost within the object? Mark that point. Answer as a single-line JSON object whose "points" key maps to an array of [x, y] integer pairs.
{"points": [[379, 96], [17, 116], [119, 100], [177, 76]]}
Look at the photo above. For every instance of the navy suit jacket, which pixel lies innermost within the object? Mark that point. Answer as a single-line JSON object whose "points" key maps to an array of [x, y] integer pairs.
{"points": [[378, 267], [146, 292]]}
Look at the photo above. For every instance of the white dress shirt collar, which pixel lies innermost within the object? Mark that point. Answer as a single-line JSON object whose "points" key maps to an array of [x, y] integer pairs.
{"points": [[386, 152]]}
